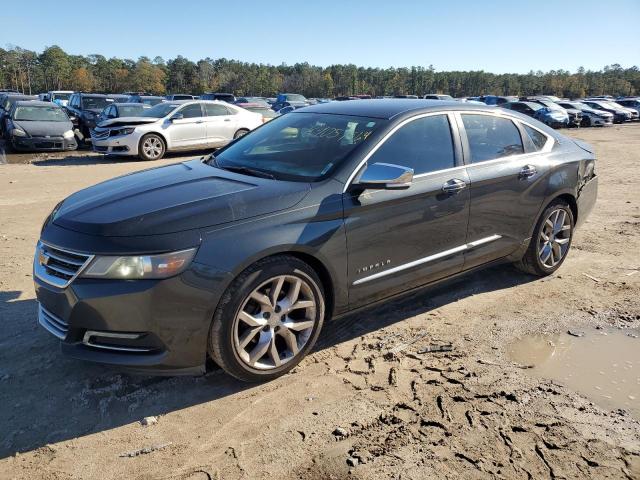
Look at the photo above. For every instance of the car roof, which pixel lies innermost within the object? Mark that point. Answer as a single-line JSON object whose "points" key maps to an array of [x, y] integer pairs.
{"points": [[130, 104], [389, 108], [20, 96], [37, 103]]}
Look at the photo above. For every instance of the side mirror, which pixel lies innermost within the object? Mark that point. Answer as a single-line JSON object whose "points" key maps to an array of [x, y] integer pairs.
{"points": [[177, 116], [385, 176]]}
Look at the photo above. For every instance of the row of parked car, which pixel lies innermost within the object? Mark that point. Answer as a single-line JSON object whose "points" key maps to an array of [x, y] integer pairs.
{"points": [[148, 126]]}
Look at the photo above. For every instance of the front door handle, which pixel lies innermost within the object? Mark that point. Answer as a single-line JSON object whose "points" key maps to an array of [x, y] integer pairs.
{"points": [[199, 121], [528, 171], [453, 186], [227, 119]]}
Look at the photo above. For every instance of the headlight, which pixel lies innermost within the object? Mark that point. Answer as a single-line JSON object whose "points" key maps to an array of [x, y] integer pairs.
{"points": [[18, 132], [140, 267], [68, 134], [126, 131]]}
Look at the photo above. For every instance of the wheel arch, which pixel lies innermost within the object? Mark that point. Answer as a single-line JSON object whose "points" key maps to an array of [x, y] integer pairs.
{"points": [[334, 295], [566, 196], [153, 132]]}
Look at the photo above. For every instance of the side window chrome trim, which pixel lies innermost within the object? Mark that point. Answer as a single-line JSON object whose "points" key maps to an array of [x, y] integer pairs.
{"points": [[455, 115], [389, 134], [548, 146]]}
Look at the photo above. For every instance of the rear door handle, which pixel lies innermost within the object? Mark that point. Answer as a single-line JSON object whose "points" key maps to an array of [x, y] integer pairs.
{"points": [[528, 171], [453, 186], [227, 119], [199, 121]]}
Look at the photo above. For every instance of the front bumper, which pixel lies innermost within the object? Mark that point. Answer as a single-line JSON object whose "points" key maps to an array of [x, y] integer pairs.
{"points": [[597, 121], [620, 118], [115, 145], [575, 120], [150, 326], [44, 144]]}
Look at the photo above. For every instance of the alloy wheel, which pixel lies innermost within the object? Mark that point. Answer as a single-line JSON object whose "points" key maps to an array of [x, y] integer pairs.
{"points": [[152, 147], [275, 322], [555, 235]]}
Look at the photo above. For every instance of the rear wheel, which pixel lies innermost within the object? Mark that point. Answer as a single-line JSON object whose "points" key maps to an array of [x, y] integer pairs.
{"points": [[240, 133], [152, 147], [550, 242], [268, 319]]}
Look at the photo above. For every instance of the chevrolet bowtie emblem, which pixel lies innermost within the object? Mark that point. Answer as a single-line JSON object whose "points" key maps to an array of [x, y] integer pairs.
{"points": [[43, 258]]}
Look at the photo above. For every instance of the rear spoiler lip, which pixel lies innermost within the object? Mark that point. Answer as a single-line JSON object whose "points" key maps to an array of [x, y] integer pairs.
{"points": [[584, 145]]}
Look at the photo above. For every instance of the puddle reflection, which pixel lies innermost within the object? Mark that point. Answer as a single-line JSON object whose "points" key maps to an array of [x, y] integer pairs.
{"points": [[603, 365]]}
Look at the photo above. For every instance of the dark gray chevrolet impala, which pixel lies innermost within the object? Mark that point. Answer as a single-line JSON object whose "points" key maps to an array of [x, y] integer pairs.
{"points": [[243, 255]]}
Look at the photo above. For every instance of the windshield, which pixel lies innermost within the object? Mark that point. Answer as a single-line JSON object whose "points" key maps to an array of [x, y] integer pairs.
{"points": [[90, 103], [576, 105], [611, 105], [40, 114], [160, 110], [533, 106], [295, 98], [550, 105], [60, 96], [131, 110], [303, 147]]}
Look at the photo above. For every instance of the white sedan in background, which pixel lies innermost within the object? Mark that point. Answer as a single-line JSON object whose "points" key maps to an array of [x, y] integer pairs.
{"points": [[174, 126]]}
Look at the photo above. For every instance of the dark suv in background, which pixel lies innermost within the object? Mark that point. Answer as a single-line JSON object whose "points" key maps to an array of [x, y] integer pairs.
{"points": [[84, 109], [223, 97]]}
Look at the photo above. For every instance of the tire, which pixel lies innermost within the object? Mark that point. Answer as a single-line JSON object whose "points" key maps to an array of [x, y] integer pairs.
{"points": [[551, 240], [246, 335], [240, 133], [151, 147]]}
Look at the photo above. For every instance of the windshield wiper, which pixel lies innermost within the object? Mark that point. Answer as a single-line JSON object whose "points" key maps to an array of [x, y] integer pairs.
{"points": [[245, 170]]}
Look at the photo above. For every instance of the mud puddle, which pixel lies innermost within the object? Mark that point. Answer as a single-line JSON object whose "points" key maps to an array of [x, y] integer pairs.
{"points": [[603, 365]]}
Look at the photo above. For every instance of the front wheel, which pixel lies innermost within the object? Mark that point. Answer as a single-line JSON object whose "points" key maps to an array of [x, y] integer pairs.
{"points": [[268, 319], [152, 147], [240, 133], [550, 242]]}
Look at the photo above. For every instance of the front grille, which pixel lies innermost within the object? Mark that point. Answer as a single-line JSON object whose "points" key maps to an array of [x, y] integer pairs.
{"points": [[55, 325], [95, 135], [48, 144], [58, 266]]}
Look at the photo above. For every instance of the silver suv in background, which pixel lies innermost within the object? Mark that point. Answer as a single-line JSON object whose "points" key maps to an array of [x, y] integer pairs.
{"points": [[173, 126]]}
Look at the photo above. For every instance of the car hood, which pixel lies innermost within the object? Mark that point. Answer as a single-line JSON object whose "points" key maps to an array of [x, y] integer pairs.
{"points": [[124, 121], [42, 129], [174, 198]]}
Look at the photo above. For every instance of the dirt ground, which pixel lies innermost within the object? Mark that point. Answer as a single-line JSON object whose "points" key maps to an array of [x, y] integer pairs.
{"points": [[366, 404]]}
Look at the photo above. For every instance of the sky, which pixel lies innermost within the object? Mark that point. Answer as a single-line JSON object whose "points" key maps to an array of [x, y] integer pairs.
{"points": [[495, 36]]}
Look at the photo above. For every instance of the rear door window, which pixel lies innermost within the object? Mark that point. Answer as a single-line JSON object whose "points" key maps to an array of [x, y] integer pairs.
{"points": [[424, 144], [491, 137], [214, 110]]}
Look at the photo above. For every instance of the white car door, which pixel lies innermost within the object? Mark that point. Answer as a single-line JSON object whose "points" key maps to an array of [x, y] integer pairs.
{"points": [[187, 127], [221, 124]]}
